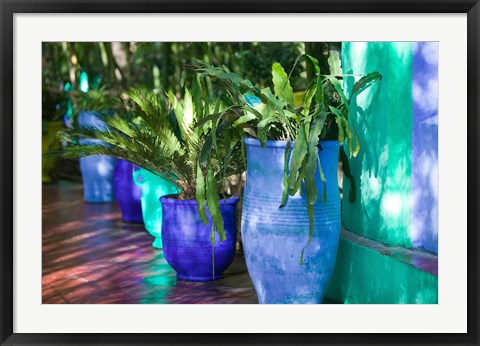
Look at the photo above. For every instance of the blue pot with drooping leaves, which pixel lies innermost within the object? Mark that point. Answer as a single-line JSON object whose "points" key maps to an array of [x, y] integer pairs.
{"points": [[274, 238], [187, 244], [127, 193], [97, 170], [153, 187]]}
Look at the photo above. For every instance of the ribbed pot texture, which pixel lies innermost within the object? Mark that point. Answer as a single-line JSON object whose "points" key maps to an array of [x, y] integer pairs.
{"points": [[127, 193], [153, 187], [186, 239], [97, 170], [273, 238]]}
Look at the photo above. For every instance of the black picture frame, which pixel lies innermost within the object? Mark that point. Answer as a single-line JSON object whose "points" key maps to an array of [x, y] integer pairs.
{"points": [[9, 7]]}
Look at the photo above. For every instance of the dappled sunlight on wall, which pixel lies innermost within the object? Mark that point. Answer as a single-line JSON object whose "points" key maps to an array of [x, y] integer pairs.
{"points": [[424, 231], [382, 116], [396, 171]]}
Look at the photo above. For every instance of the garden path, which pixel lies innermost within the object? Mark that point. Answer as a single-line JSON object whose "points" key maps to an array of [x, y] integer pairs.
{"points": [[89, 256]]}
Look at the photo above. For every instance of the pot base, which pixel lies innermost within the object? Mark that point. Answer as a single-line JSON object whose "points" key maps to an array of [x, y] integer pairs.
{"points": [[131, 219], [157, 243], [198, 278], [96, 201]]}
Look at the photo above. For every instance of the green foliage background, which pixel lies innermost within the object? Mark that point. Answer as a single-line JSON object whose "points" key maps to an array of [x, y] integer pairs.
{"points": [[159, 65]]}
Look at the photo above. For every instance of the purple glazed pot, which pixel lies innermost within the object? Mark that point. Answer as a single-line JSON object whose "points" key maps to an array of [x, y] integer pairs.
{"points": [[186, 239], [127, 193]]}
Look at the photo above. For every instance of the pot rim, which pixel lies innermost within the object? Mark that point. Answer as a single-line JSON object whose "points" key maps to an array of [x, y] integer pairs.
{"points": [[282, 144], [167, 200]]}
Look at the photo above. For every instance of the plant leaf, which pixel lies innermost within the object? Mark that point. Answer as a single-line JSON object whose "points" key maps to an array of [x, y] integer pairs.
{"points": [[356, 150], [228, 156], [214, 127], [310, 233], [210, 117], [309, 59], [213, 203], [172, 117], [344, 126], [248, 129], [197, 96], [188, 109], [308, 96], [364, 82], [299, 153], [244, 119], [281, 83], [301, 176], [334, 63], [205, 152], [322, 178], [320, 94], [311, 189], [341, 135], [285, 175], [312, 159], [338, 88], [200, 194]]}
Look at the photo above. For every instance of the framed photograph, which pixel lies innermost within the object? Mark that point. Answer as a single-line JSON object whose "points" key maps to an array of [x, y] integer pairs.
{"points": [[239, 172]]}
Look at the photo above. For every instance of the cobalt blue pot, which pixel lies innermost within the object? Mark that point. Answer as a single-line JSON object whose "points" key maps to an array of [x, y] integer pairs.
{"points": [[273, 238], [186, 239], [127, 193], [97, 170]]}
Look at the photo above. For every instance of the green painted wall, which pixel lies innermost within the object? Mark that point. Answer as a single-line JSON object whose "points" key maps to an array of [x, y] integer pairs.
{"points": [[364, 276], [383, 118]]}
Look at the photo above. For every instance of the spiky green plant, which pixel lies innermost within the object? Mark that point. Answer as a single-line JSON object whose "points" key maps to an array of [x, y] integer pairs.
{"points": [[165, 136], [263, 114]]}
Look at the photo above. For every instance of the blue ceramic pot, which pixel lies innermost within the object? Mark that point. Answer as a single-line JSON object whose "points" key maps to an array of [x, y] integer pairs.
{"points": [[153, 187], [186, 239], [127, 193], [273, 238], [97, 170]]}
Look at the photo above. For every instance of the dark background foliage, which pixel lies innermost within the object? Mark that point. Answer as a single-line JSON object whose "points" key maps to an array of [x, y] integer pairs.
{"points": [[159, 65]]}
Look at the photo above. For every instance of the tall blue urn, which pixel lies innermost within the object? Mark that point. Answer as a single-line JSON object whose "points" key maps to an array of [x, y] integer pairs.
{"points": [[274, 238]]}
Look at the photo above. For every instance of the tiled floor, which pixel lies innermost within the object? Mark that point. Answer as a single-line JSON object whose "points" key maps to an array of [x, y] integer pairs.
{"points": [[91, 257]]}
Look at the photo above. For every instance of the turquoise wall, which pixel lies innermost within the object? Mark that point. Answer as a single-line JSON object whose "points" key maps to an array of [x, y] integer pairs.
{"points": [[383, 117], [395, 174]]}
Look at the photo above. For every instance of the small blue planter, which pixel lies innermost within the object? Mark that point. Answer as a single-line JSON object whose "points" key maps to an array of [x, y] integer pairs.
{"points": [[97, 170], [153, 187], [127, 193], [186, 239], [273, 238]]}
